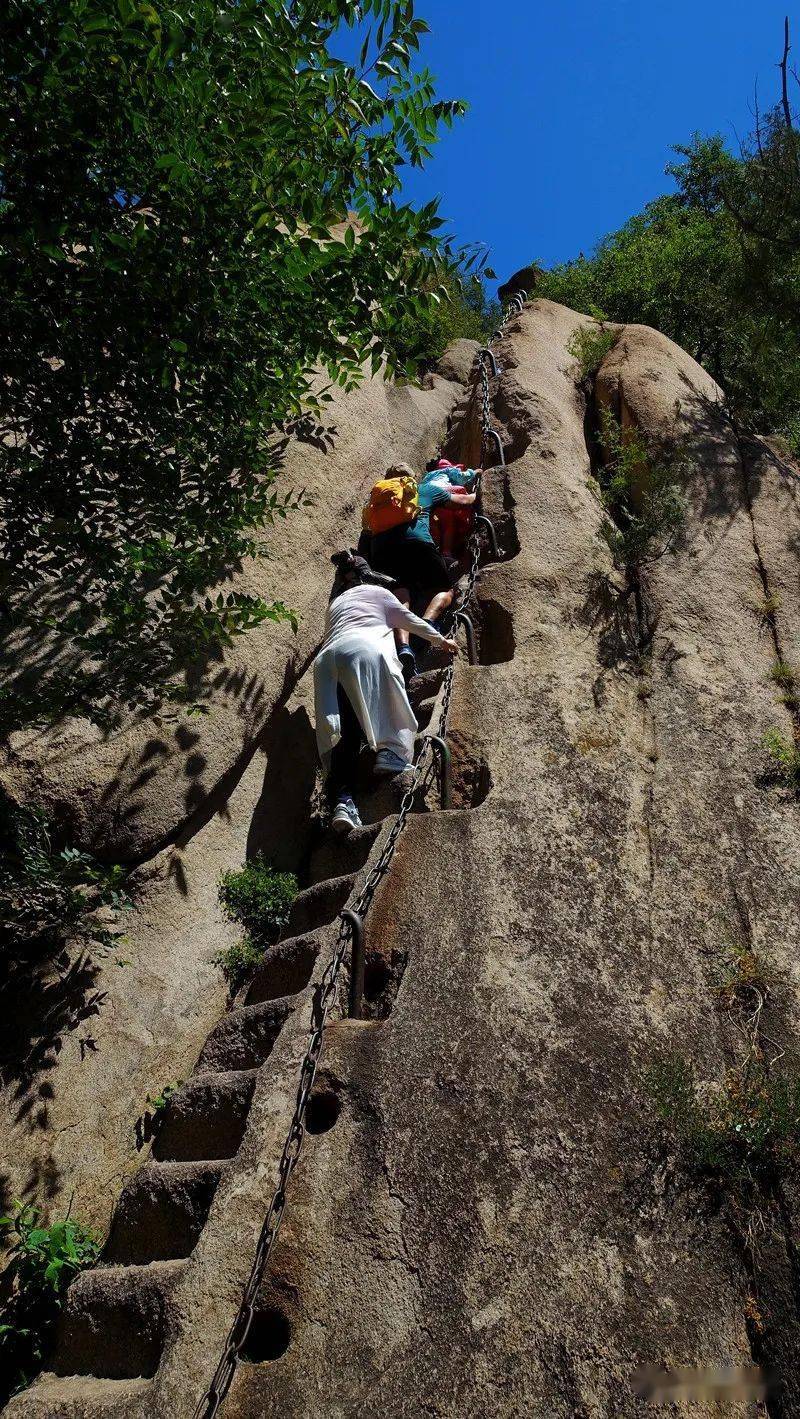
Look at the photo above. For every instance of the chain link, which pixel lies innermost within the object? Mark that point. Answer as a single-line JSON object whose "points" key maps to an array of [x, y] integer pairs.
{"points": [[467, 590], [325, 994]]}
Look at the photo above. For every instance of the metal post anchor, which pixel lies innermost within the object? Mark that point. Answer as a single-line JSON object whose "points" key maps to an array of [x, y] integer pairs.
{"points": [[356, 963], [472, 645], [481, 520], [445, 768], [489, 354], [501, 457]]}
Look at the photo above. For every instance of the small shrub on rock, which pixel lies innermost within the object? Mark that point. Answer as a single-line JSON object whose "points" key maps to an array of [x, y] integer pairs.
{"points": [[239, 961], [644, 504], [590, 344], [745, 1131], [783, 756], [260, 899], [43, 1262]]}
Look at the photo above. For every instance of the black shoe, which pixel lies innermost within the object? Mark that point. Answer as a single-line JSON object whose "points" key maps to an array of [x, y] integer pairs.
{"points": [[408, 663]]}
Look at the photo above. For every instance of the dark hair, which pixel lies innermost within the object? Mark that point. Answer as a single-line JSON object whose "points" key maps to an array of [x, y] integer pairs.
{"points": [[433, 463], [350, 564]]}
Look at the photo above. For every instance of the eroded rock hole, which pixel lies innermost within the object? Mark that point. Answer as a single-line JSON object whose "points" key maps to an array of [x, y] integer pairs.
{"points": [[472, 780], [377, 977], [382, 979], [323, 1110], [495, 631], [269, 1337]]}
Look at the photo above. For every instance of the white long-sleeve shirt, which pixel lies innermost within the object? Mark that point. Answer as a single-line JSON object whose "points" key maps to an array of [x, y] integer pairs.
{"points": [[359, 653]]}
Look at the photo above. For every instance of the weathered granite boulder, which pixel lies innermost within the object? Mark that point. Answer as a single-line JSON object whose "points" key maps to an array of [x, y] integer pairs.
{"points": [[488, 1217], [126, 794]]}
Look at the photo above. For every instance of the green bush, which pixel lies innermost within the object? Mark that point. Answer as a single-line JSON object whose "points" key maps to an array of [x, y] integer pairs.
{"points": [[640, 494], [458, 308], [746, 1131], [260, 899], [589, 346], [743, 982], [49, 894], [157, 1103], [783, 756], [239, 961], [43, 1262]]}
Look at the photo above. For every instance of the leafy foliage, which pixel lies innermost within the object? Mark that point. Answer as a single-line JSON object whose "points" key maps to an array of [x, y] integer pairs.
{"points": [[459, 309], [50, 893], [179, 278], [590, 344], [715, 266], [157, 1103], [744, 982], [43, 1262], [640, 494], [748, 1130], [239, 961], [260, 899], [783, 756]]}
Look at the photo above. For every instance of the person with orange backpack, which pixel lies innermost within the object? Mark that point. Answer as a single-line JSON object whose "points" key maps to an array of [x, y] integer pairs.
{"points": [[397, 540]]}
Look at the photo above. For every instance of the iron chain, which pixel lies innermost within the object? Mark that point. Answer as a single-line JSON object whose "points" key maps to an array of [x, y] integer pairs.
{"points": [[211, 1402], [484, 357]]}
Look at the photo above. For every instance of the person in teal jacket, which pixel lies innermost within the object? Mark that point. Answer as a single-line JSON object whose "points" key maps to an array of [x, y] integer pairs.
{"points": [[409, 553]]}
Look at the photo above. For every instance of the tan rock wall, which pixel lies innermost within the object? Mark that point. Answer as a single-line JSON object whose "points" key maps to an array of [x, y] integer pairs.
{"points": [[84, 1049], [496, 1223]]}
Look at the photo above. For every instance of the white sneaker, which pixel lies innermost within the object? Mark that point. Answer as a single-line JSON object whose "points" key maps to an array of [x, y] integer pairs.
{"points": [[345, 817], [387, 762]]}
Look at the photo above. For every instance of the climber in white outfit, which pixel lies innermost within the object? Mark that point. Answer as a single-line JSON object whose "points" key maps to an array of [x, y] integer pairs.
{"points": [[359, 691]]}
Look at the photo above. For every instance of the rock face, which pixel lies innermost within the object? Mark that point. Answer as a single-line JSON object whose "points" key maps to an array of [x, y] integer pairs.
{"points": [[487, 1217], [129, 793], [82, 1050]]}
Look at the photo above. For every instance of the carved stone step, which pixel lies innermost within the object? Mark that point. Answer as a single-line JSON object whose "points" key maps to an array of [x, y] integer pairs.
{"points": [[334, 856], [161, 1213], [114, 1321], [206, 1117], [424, 712], [244, 1038], [76, 1397], [287, 969], [425, 686], [318, 905]]}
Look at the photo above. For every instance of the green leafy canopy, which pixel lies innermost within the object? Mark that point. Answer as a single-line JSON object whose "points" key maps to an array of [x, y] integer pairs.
{"points": [[715, 265], [180, 278]]}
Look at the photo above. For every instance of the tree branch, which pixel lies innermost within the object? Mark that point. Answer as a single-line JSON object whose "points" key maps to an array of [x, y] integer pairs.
{"points": [[787, 112]]}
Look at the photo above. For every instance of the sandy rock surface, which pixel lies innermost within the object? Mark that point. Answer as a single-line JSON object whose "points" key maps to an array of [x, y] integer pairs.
{"points": [[488, 1218], [128, 793], [83, 1048]]}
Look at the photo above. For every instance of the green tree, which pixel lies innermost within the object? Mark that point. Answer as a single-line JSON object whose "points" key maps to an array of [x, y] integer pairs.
{"points": [[459, 308], [716, 267], [179, 278]]}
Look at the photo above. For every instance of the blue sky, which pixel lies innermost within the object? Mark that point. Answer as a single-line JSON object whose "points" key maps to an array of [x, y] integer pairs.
{"points": [[574, 109]]}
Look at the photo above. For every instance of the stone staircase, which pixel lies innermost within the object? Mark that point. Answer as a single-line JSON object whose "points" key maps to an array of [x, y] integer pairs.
{"points": [[118, 1315]]}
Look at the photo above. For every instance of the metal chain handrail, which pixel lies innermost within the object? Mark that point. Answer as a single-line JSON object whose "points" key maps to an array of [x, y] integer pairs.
{"points": [[485, 357], [324, 996]]}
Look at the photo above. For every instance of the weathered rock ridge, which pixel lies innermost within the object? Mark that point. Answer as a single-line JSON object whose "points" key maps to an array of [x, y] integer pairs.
{"points": [[487, 1218]]}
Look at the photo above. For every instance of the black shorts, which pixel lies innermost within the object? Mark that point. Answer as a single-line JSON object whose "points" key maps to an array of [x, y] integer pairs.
{"points": [[417, 565]]}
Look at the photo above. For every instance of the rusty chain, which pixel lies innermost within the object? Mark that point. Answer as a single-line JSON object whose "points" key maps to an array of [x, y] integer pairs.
{"points": [[325, 994], [485, 358]]}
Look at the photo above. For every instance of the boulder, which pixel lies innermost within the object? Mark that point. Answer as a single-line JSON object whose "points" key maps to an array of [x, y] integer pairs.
{"points": [[125, 794]]}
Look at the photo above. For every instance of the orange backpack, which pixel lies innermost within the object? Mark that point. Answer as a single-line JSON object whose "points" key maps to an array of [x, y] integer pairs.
{"points": [[392, 502]]}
